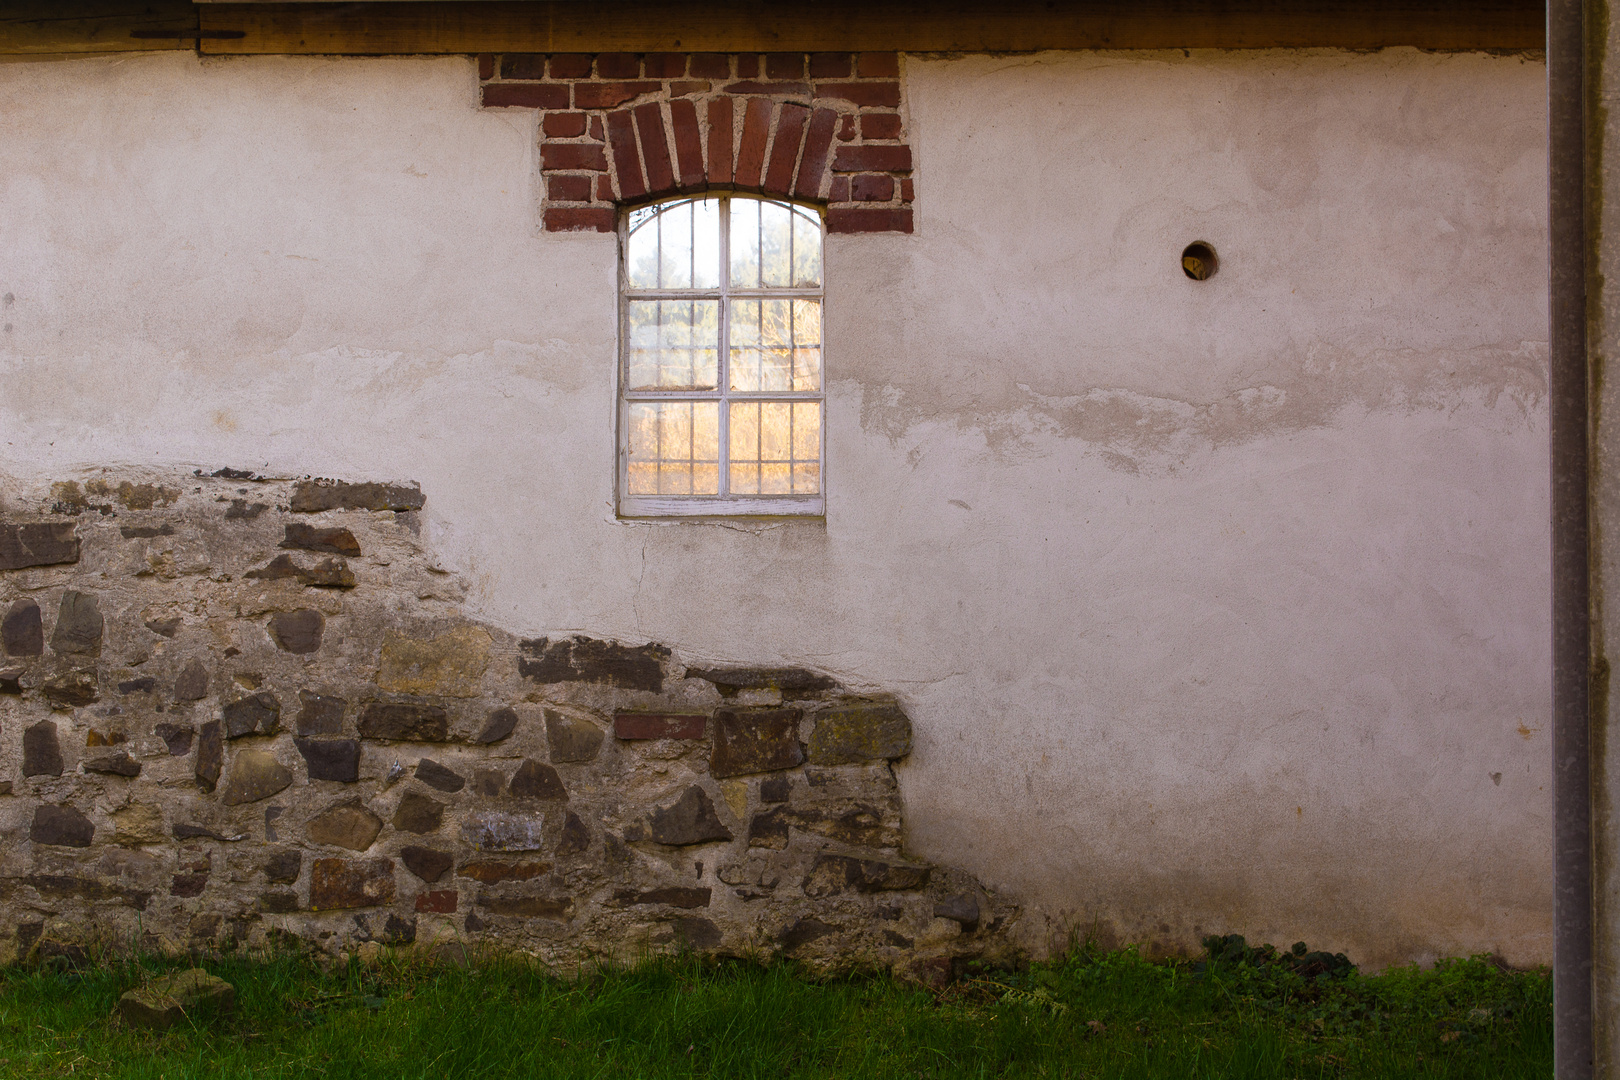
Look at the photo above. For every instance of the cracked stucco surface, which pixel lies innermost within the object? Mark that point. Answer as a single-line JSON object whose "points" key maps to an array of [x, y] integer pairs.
{"points": [[1217, 607]]}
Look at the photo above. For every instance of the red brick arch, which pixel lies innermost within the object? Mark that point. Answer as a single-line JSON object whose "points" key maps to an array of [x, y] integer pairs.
{"points": [[619, 129]]}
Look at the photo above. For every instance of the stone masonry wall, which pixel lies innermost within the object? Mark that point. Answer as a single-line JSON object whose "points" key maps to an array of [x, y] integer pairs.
{"points": [[238, 710]]}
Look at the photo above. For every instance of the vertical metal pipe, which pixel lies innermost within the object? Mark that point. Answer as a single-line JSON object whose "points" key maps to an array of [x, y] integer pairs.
{"points": [[1572, 796]]}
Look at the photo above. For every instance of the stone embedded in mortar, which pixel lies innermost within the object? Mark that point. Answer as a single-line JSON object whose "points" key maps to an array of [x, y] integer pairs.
{"points": [[962, 908], [192, 682], [283, 867], [875, 731], [500, 724], [689, 820], [61, 826], [859, 824], [494, 871], [583, 659], [350, 883], [298, 632], [187, 886], [280, 568], [41, 544], [426, 863], [438, 777], [42, 753], [71, 689], [557, 909], [437, 902], [695, 932], [177, 737], [320, 714], [138, 824], [143, 685], [417, 813], [401, 722], [451, 665], [755, 740], [495, 831], [641, 725], [790, 681], [242, 510], [670, 896], [775, 789], [488, 783], [11, 681], [79, 625], [335, 541], [833, 874], [145, 532], [570, 738], [164, 627], [255, 714], [348, 824], [395, 930], [118, 763], [278, 902], [210, 754], [331, 759], [183, 831], [329, 573], [534, 780], [803, 931], [576, 838], [313, 496], [255, 775], [21, 632], [167, 1001]]}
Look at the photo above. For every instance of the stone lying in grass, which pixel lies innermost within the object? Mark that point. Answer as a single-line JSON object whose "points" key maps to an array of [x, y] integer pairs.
{"points": [[164, 1002]]}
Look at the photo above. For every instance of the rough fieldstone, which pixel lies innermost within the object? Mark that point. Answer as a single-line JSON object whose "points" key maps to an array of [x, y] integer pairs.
{"points": [[201, 832], [437, 902], [192, 682], [417, 813], [145, 532], [963, 909], [500, 724], [42, 753], [671, 896], [320, 714], [11, 681], [313, 496], [570, 738], [833, 874], [283, 867], [350, 883], [503, 832], [71, 688], [696, 932], [775, 789], [803, 932], [534, 780], [186, 886], [331, 759], [426, 863], [488, 783], [242, 510], [164, 627], [164, 1002], [256, 714], [583, 659], [297, 632], [210, 754], [43, 544], [404, 723], [770, 829], [868, 732], [280, 568], [21, 632], [334, 541], [348, 825], [143, 685], [451, 664], [395, 930], [138, 824], [493, 871], [278, 901], [575, 836], [79, 625], [61, 826], [438, 777], [118, 763], [255, 775], [329, 573], [638, 725], [791, 681], [689, 820], [557, 909], [177, 737], [755, 740]]}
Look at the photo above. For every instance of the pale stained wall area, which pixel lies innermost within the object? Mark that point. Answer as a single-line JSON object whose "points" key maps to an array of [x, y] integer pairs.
{"points": [[1216, 607]]}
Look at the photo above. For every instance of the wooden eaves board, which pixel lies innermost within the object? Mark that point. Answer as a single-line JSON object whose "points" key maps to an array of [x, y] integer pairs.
{"points": [[472, 26]]}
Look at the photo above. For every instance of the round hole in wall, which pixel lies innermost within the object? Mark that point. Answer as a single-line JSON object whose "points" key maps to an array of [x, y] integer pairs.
{"points": [[1198, 261]]}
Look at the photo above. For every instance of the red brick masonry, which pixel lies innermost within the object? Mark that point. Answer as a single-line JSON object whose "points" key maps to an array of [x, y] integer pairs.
{"points": [[622, 128]]}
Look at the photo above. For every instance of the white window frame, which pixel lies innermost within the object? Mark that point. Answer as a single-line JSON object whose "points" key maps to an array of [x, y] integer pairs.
{"points": [[722, 505]]}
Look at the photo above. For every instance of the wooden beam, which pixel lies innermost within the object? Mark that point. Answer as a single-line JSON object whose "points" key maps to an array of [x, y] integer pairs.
{"points": [[36, 27], [837, 25]]}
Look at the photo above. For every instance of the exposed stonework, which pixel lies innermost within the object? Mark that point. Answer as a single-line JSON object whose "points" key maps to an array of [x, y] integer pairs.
{"points": [[205, 749]]}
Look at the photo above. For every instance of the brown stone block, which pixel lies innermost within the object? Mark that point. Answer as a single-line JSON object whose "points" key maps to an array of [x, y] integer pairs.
{"points": [[188, 885], [315, 495], [791, 681], [192, 682], [256, 714], [283, 867], [331, 759], [755, 740], [673, 896], [417, 813], [177, 737], [348, 825], [451, 664], [71, 688], [576, 838], [438, 902], [696, 932], [320, 714], [557, 909], [79, 625], [691, 819], [402, 722], [42, 753], [279, 902], [832, 874], [210, 754], [255, 775], [534, 780], [803, 932], [426, 863], [493, 871], [438, 777], [22, 633], [298, 632], [61, 826], [582, 659], [498, 726], [866, 732], [118, 763], [139, 824], [334, 541], [637, 725], [569, 738], [350, 883], [44, 544]]}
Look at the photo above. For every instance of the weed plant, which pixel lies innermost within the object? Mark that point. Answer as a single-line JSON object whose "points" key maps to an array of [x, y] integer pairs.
{"points": [[1238, 1011]]}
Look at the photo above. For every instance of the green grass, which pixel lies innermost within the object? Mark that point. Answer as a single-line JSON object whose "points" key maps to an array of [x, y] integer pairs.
{"points": [[1240, 1013]]}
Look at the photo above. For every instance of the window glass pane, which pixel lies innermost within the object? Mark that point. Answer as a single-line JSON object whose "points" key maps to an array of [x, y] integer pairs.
{"points": [[745, 243], [674, 448], [674, 344], [806, 249], [775, 246], [674, 246], [775, 345], [775, 447]]}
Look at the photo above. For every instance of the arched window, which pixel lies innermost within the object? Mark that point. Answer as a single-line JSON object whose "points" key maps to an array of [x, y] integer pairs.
{"points": [[720, 331]]}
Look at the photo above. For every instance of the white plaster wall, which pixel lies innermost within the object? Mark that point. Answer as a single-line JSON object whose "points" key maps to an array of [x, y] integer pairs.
{"points": [[1218, 607]]}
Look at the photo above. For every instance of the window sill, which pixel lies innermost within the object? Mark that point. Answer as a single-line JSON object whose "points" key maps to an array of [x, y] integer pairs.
{"points": [[755, 506]]}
